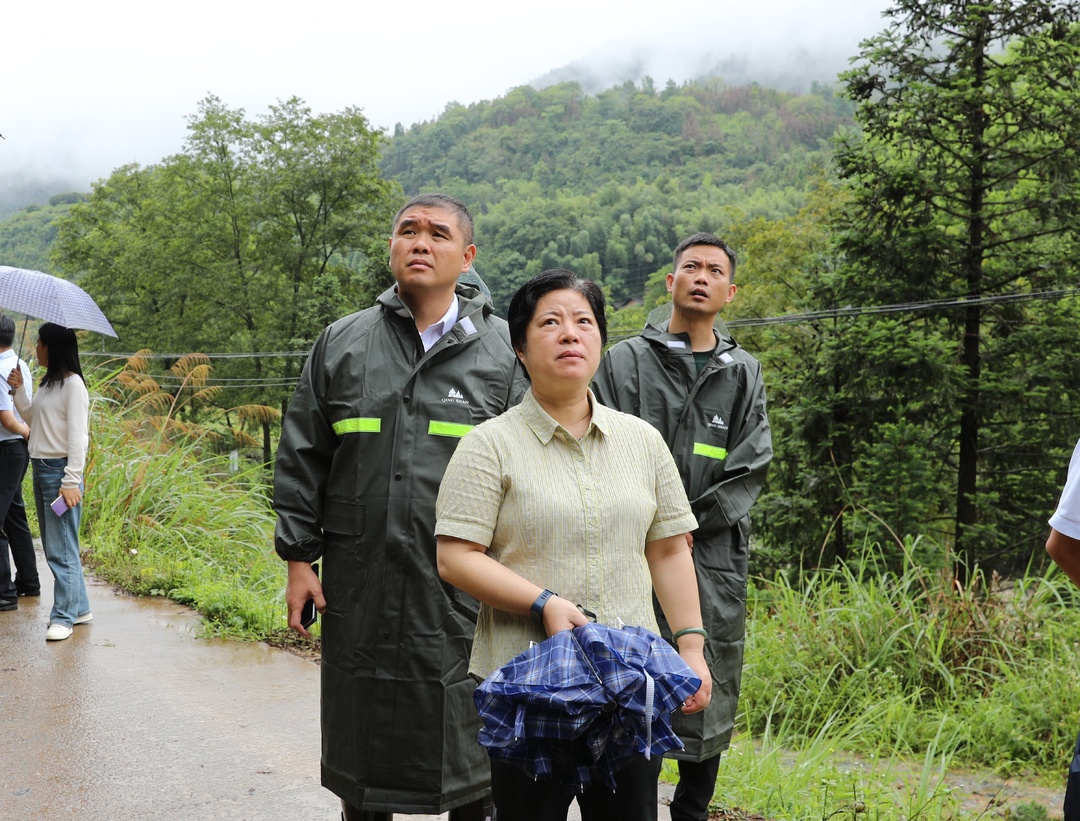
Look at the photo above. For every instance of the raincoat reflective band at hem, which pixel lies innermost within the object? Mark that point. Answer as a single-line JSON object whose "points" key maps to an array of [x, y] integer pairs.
{"points": [[448, 429], [709, 451], [357, 425]]}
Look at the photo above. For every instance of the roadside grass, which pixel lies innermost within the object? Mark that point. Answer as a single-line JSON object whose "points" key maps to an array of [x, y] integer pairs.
{"points": [[862, 688], [165, 514]]}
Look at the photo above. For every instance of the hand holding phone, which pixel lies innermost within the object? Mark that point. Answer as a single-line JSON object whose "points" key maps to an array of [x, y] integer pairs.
{"points": [[59, 506], [310, 614]]}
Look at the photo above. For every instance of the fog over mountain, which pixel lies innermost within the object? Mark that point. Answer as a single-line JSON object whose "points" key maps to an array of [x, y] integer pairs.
{"points": [[114, 87]]}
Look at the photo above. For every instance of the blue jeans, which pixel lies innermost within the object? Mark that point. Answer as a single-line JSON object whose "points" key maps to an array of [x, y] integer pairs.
{"points": [[60, 540]]}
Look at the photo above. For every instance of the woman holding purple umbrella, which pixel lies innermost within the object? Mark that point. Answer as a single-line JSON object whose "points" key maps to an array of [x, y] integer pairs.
{"points": [[58, 416]]}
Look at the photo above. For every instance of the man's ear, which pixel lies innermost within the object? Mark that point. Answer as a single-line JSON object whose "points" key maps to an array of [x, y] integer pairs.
{"points": [[467, 260], [670, 281]]}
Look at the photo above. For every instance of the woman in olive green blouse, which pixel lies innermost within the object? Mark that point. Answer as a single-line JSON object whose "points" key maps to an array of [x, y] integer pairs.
{"points": [[563, 494]]}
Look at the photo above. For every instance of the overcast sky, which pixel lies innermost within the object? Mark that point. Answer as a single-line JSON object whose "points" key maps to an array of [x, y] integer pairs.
{"points": [[87, 87]]}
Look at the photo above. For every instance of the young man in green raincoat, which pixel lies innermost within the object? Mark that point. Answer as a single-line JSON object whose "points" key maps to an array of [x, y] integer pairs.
{"points": [[382, 402], [705, 394]]}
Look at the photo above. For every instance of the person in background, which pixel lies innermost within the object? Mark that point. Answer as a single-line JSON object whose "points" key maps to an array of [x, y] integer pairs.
{"points": [[563, 494], [14, 459], [382, 402], [705, 395], [1063, 545], [59, 420]]}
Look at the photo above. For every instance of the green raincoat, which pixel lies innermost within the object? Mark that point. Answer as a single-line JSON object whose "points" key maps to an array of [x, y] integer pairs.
{"points": [[364, 444], [718, 431]]}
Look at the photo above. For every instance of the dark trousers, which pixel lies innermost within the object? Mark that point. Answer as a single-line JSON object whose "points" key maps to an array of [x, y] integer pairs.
{"points": [[697, 783], [476, 811], [519, 797], [1072, 787], [13, 461]]}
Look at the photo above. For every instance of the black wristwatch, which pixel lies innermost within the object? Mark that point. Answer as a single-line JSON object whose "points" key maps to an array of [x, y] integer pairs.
{"points": [[537, 608]]}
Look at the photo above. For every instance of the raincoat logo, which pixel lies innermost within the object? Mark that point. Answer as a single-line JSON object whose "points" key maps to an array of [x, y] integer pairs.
{"points": [[455, 396], [718, 423]]}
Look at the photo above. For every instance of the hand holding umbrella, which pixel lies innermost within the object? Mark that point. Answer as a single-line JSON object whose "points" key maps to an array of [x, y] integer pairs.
{"points": [[595, 698]]}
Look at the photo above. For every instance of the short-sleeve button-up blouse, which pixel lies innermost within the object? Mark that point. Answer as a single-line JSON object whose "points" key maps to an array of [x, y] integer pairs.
{"points": [[569, 515]]}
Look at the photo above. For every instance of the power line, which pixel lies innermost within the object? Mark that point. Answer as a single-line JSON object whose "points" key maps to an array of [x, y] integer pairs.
{"points": [[850, 311], [145, 355], [905, 307]]}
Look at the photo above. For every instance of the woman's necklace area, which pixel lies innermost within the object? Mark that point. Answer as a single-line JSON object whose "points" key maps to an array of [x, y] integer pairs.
{"points": [[578, 428]]}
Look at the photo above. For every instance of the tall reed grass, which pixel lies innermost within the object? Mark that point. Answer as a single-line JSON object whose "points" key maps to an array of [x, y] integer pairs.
{"points": [[165, 513]]}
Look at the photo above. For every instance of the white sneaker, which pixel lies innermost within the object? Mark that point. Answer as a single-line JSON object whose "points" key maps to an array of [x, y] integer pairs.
{"points": [[85, 618], [58, 632]]}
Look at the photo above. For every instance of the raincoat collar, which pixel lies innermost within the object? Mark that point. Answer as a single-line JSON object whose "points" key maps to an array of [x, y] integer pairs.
{"points": [[472, 305], [541, 423], [659, 320]]}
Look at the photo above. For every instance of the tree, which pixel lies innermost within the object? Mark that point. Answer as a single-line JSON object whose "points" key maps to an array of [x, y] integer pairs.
{"points": [[250, 240], [965, 187]]}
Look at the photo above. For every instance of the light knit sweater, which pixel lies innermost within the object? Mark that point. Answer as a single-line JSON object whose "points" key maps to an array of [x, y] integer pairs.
{"points": [[59, 418]]}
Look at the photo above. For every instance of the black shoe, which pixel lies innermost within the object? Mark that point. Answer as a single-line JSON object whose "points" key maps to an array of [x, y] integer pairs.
{"points": [[9, 604], [29, 592]]}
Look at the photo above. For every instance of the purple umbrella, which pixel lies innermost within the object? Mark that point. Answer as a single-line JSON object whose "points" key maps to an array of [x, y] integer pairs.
{"points": [[44, 296]]}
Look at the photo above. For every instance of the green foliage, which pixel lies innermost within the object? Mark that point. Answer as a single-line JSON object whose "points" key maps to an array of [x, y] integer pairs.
{"points": [[27, 235], [252, 239], [963, 186], [1030, 812], [891, 660], [608, 185], [165, 516]]}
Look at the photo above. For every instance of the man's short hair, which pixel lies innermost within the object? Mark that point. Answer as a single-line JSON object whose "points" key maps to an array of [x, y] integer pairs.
{"points": [[7, 331], [703, 238], [465, 220]]}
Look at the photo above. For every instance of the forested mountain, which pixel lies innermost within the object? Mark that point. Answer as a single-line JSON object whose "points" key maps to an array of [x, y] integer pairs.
{"points": [[27, 236], [607, 185]]}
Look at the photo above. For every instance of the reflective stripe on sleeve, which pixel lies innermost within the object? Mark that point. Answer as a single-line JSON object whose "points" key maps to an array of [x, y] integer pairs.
{"points": [[710, 451], [359, 424], [448, 429]]}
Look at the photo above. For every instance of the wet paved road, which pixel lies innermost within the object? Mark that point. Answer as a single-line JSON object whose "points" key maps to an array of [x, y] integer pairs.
{"points": [[134, 717]]}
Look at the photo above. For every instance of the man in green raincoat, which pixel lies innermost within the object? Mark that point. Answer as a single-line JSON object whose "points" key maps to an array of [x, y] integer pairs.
{"points": [[380, 406], [688, 378]]}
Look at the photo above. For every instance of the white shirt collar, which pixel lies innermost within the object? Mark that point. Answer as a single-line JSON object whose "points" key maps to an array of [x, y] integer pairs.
{"points": [[436, 331]]}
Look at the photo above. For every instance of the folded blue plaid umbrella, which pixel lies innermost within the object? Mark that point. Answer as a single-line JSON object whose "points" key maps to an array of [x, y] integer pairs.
{"points": [[584, 703]]}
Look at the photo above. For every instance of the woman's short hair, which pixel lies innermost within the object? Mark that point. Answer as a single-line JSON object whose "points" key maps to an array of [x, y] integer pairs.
{"points": [[523, 303]]}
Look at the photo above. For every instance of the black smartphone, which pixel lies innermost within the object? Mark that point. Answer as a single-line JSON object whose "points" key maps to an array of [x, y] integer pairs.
{"points": [[309, 614]]}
